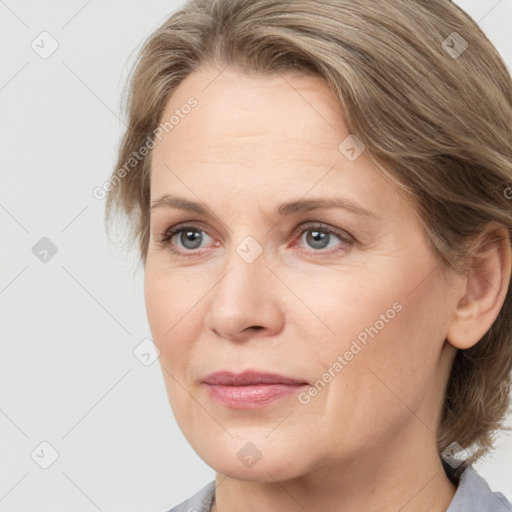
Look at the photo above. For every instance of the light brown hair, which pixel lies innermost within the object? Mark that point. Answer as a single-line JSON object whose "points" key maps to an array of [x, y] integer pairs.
{"points": [[436, 120]]}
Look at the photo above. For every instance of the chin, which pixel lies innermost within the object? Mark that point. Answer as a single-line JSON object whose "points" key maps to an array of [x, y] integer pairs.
{"points": [[259, 460]]}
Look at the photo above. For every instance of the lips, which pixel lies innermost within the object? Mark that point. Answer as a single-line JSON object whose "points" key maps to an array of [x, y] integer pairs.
{"points": [[250, 389], [250, 378]]}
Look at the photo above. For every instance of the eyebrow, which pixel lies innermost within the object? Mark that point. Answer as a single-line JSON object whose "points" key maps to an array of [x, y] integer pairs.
{"points": [[283, 209]]}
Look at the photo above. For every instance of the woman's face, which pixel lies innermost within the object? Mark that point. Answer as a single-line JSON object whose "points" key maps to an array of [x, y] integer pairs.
{"points": [[297, 258]]}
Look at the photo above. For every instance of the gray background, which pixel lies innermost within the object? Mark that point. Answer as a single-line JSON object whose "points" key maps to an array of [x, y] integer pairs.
{"points": [[68, 375]]}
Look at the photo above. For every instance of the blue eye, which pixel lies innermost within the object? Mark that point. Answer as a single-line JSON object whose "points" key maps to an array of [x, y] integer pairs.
{"points": [[188, 238], [320, 236], [317, 239]]}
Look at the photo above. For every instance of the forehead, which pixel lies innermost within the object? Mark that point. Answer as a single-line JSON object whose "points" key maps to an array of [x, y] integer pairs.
{"points": [[239, 111], [252, 133]]}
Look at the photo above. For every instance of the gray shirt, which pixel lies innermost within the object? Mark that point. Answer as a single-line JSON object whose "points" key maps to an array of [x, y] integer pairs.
{"points": [[473, 495]]}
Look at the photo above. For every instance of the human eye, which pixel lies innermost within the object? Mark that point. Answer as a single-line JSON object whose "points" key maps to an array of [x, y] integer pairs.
{"points": [[322, 238], [184, 238], [189, 238]]}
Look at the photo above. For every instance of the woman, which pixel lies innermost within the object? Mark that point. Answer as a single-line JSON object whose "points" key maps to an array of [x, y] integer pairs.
{"points": [[318, 190]]}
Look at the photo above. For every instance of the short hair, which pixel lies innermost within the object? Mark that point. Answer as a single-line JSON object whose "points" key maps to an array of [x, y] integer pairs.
{"points": [[421, 86]]}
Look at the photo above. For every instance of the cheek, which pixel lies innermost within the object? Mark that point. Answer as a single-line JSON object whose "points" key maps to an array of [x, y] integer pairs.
{"points": [[341, 307], [169, 294], [172, 320], [388, 319], [171, 314], [390, 340], [159, 305]]}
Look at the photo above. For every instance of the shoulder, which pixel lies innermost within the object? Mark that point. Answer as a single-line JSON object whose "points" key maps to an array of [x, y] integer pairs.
{"points": [[201, 501], [474, 495]]}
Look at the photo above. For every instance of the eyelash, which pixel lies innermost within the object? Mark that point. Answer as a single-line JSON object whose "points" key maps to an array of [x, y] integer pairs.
{"points": [[164, 239]]}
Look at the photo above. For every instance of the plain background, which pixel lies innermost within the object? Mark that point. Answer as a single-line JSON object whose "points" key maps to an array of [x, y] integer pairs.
{"points": [[68, 374]]}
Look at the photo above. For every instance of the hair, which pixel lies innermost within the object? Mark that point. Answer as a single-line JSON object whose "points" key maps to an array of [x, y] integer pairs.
{"points": [[438, 123]]}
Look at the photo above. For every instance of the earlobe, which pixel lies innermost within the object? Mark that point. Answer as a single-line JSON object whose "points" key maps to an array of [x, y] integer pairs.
{"points": [[485, 288]]}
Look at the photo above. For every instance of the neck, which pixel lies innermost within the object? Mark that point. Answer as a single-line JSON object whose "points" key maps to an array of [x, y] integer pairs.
{"points": [[390, 476]]}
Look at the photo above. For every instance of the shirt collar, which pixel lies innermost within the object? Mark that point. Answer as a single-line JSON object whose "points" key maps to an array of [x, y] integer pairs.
{"points": [[474, 495]]}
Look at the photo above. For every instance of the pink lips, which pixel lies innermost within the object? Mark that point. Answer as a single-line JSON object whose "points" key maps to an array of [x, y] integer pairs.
{"points": [[250, 389]]}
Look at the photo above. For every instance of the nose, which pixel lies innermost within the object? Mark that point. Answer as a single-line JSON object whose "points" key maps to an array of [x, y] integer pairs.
{"points": [[245, 302]]}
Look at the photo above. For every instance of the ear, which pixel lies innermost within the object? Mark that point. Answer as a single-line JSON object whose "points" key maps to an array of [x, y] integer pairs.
{"points": [[486, 286]]}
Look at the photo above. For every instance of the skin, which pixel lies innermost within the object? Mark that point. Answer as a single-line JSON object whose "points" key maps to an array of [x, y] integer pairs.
{"points": [[367, 441]]}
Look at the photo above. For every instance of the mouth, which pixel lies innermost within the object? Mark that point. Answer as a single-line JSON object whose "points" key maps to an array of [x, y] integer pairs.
{"points": [[250, 389]]}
